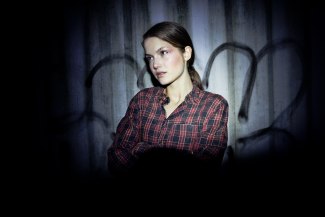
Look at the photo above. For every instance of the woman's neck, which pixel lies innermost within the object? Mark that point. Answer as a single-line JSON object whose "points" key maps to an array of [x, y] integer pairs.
{"points": [[178, 91]]}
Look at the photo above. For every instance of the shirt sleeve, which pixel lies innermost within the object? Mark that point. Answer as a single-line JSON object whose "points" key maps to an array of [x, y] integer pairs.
{"points": [[119, 155], [213, 139]]}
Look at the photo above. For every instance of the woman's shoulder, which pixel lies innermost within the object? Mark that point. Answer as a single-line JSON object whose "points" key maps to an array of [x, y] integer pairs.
{"points": [[213, 97], [149, 92]]}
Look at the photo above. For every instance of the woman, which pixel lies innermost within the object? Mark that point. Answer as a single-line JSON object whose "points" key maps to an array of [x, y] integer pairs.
{"points": [[178, 119]]}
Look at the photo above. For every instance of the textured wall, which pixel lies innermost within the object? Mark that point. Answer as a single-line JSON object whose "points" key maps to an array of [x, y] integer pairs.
{"points": [[251, 52]]}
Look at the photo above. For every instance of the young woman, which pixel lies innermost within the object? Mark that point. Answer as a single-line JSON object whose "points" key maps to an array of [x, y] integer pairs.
{"points": [[177, 119]]}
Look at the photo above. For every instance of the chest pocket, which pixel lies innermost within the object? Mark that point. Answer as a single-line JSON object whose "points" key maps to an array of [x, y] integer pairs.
{"points": [[182, 136]]}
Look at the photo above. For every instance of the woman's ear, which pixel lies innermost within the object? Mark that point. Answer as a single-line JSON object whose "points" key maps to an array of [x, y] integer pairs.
{"points": [[187, 53]]}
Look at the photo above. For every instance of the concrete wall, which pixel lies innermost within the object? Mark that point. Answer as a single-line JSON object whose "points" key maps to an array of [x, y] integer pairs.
{"points": [[251, 52]]}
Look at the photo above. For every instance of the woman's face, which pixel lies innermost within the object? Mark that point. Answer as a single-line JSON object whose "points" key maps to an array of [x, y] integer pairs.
{"points": [[167, 63]]}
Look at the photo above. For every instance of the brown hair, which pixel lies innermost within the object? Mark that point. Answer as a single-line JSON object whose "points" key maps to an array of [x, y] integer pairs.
{"points": [[177, 36]]}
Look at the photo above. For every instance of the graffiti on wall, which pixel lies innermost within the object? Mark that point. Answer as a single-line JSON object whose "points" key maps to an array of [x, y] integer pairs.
{"points": [[250, 76]]}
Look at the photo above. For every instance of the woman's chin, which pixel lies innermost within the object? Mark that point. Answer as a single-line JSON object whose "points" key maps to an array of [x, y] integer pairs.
{"points": [[163, 82]]}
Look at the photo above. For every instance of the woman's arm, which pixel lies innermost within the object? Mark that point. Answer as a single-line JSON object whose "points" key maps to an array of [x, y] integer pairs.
{"points": [[119, 154], [206, 141], [213, 139]]}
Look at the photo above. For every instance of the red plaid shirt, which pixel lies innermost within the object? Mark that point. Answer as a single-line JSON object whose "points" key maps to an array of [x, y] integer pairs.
{"points": [[198, 127]]}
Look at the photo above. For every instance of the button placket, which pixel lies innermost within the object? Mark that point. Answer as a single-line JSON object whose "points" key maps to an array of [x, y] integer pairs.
{"points": [[164, 128]]}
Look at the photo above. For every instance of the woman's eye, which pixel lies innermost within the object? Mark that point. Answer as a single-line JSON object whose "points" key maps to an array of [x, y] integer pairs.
{"points": [[163, 52], [149, 58]]}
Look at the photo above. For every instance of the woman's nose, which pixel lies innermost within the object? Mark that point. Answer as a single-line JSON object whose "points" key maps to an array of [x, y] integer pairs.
{"points": [[156, 63]]}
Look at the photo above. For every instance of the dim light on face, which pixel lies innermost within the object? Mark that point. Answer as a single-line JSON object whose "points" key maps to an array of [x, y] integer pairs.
{"points": [[167, 63]]}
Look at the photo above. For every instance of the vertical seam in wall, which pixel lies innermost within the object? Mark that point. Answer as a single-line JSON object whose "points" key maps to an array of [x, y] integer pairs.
{"points": [[270, 78], [228, 6], [230, 65]]}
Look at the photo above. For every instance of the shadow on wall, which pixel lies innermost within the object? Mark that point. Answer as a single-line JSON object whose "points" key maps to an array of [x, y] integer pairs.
{"points": [[263, 148], [264, 165]]}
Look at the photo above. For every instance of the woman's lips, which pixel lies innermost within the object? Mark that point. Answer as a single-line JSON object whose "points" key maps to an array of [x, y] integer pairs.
{"points": [[160, 74]]}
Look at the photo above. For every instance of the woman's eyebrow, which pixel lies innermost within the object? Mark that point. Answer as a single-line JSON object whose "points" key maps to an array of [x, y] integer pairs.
{"points": [[157, 51]]}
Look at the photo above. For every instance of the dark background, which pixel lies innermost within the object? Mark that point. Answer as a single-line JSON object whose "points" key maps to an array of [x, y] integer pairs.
{"points": [[38, 164]]}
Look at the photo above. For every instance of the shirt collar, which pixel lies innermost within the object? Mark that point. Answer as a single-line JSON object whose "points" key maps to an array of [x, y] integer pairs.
{"points": [[193, 96]]}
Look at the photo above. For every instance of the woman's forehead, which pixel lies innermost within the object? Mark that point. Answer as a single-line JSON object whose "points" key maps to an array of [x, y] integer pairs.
{"points": [[153, 44]]}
